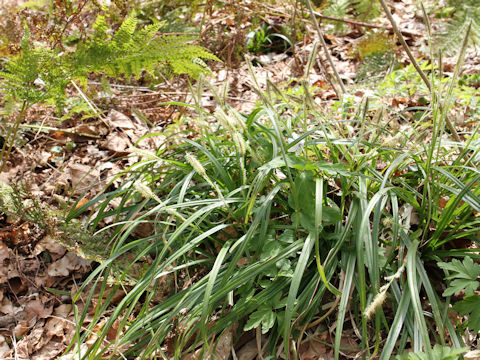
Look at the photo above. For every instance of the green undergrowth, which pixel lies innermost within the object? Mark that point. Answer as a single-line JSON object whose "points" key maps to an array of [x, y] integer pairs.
{"points": [[292, 221], [41, 74], [269, 219]]}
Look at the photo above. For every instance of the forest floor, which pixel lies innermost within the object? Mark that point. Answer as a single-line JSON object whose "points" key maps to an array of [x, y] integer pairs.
{"points": [[62, 161]]}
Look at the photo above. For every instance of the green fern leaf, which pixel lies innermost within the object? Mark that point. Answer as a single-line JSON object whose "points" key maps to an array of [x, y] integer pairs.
{"points": [[338, 9], [449, 40], [100, 27], [366, 9], [130, 51], [36, 75], [123, 37]]}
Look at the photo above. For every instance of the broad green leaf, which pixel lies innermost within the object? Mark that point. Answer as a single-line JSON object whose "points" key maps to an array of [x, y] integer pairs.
{"points": [[439, 352], [292, 162], [331, 215], [264, 316], [465, 270], [470, 305], [464, 274], [300, 164], [305, 192], [287, 237], [457, 285], [284, 267]]}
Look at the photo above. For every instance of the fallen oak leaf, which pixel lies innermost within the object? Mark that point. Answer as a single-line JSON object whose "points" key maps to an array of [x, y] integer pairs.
{"points": [[70, 262], [37, 307]]}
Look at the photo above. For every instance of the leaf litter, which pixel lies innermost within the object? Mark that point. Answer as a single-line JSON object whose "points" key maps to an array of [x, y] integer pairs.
{"points": [[76, 159]]}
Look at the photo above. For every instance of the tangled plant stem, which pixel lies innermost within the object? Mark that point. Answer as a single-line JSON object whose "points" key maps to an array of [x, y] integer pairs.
{"points": [[12, 133]]}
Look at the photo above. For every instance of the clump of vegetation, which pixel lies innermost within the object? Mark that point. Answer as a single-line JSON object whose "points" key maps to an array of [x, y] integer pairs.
{"points": [[362, 10], [266, 38], [288, 220], [376, 54], [271, 208], [40, 74]]}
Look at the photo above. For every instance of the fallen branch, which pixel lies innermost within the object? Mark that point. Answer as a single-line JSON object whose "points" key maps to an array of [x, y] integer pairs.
{"points": [[364, 24]]}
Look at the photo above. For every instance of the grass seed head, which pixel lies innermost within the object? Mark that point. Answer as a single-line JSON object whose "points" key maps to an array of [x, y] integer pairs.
{"points": [[375, 304], [239, 143], [396, 275], [195, 164], [227, 122], [235, 115], [149, 155], [144, 189]]}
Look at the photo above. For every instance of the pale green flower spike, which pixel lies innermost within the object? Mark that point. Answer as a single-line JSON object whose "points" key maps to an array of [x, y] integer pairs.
{"points": [[239, 143], [375, 304], [197, 165]]}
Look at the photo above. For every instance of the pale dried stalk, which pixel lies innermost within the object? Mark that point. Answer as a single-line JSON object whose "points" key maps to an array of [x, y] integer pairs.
{"points": [[417, 67], [325, 48]]}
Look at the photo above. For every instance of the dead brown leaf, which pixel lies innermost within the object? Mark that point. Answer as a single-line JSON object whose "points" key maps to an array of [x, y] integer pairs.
{"points": [[249, 351], [224, 345], [119, 120], [54, 248], [67, 264], [117, 142], [4, 348], [82, 177], [37, 308]]}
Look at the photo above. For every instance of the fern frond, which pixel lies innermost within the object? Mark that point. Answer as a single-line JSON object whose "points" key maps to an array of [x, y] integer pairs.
{"points": [[366, 9], [130, 52], [124, 36], [100, 27], [449, 40], [149, 31], [338, 9], [22, 75], [183, 58], [40, 74]]}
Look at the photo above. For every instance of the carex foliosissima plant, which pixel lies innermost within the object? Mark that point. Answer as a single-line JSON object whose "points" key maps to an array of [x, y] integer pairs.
{"points": [[263, 219], [285, 221]]}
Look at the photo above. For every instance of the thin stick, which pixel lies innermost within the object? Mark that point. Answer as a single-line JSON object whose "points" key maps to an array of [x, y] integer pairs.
{"points": [[325, 48], [364, 24], [50, 128], [415, 64]]}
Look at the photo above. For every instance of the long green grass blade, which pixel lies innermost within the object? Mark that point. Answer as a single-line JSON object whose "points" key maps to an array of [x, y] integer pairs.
{"points": [[292, 293], [415, 299], [342, 307]]}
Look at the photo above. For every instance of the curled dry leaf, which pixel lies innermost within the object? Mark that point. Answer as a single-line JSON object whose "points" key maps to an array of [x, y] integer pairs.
{"points": [[117, 142], [118, 120], [67, 264], [249, 351], [4, 254], [224, 345], [55, 249], [82, 177], [37, 308]]}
